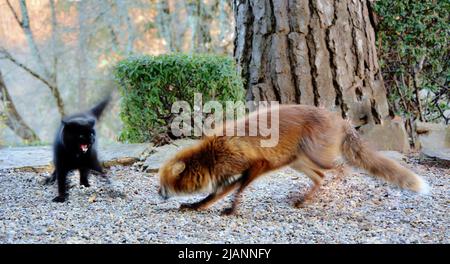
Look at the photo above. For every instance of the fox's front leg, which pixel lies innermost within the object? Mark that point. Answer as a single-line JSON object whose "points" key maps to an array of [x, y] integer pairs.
{"points": [[212, 198], [257, 169]]}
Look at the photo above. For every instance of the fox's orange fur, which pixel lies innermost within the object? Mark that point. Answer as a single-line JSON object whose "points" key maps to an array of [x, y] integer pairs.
{"points": [[311, 140]]}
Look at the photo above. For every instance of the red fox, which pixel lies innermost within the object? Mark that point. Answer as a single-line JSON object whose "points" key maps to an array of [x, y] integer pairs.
{"points": [[311, 140]]}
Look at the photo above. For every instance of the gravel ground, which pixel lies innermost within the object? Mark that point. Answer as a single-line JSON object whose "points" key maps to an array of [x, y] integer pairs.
{"points": [[350, 209]]}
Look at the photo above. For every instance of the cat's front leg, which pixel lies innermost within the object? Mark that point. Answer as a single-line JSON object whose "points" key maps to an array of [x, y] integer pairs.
{"points": [[84, 174], [61, 176], [51, 179], [95, 165]]}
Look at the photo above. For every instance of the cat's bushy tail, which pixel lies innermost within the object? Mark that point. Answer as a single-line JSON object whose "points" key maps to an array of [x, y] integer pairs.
{"points": [[98, 109]]}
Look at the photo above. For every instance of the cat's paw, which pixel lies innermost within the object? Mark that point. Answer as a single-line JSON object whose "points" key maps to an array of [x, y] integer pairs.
{"points": [[85, 184], [49, 181], [59, 199], [105, 179]]}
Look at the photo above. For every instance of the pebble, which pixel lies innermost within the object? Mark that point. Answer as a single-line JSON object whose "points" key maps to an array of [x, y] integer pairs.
{"points": [[355, 208]]}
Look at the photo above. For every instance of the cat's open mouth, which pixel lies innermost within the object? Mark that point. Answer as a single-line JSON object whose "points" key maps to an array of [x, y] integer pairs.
{"points": [[84, 148]]}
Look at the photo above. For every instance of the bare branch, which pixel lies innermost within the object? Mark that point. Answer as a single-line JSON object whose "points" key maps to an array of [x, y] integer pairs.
{"points": [[14, 13], [13, 119], [25, 25], [53, 88], [9, 57], [54, 23]]}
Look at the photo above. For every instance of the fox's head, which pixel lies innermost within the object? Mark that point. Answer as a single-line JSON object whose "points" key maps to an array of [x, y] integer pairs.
{"points": [[188, 172]]}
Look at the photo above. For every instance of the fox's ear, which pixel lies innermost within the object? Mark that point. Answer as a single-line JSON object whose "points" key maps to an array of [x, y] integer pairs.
{"points": [[178, 168]]}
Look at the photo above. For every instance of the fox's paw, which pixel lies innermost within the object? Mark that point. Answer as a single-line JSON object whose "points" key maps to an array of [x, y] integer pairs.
{"points": [[188, 206], [59, 199], [301, 203], [228, 211]]}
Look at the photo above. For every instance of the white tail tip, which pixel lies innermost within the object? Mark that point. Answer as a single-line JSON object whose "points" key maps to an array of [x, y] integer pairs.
{"points": [[424, 187]]}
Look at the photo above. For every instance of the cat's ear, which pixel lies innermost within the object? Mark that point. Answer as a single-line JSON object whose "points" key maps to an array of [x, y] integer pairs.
{"points": [[91, 123]]}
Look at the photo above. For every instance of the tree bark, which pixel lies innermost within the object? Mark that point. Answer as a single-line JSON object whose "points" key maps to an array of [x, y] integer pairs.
{"points": [[314, 52], [13, 119]]}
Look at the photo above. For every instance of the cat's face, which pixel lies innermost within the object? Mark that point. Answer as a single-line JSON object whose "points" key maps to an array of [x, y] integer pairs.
{"points": [[79, 134]]}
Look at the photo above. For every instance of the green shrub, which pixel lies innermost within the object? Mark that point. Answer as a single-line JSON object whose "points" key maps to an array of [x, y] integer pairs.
{"points": [[414, 55], [149, 85]]}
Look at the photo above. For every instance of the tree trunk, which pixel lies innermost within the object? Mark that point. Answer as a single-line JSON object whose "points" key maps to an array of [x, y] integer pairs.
{"points": [[82, 53], [13, 119], [124, 16], [316, 52]]}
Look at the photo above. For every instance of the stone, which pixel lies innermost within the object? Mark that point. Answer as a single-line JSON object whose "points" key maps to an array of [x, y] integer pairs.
{"points": [[436, 154], [434, 141], [39, 159], [122, 154], [395, 155], [390, 135], [434, 136], [163, 153]]}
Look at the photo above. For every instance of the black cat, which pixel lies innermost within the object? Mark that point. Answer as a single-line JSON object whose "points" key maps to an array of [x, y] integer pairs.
{"points": [[75, 148]]}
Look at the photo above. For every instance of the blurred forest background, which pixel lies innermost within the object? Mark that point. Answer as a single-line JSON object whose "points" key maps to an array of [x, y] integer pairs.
{"points": [[57, 56]]}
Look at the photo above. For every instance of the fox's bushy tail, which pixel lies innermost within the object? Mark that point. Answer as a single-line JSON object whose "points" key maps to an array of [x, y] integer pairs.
{"points": [[358, 154]]}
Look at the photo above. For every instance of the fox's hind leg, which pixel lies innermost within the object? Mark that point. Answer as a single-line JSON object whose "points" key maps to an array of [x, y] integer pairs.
{"points": [[212, 198], [316, 175]]}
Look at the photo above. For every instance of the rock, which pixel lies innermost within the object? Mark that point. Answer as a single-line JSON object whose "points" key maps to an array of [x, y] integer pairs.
{"points": [[161, 154], [447, 113], [442, 154], [391, 135], [35, 159], [39, 159], [434, 141], [434, 136], [395, 155], [92, 198], [122, 154], [425, 93]]}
